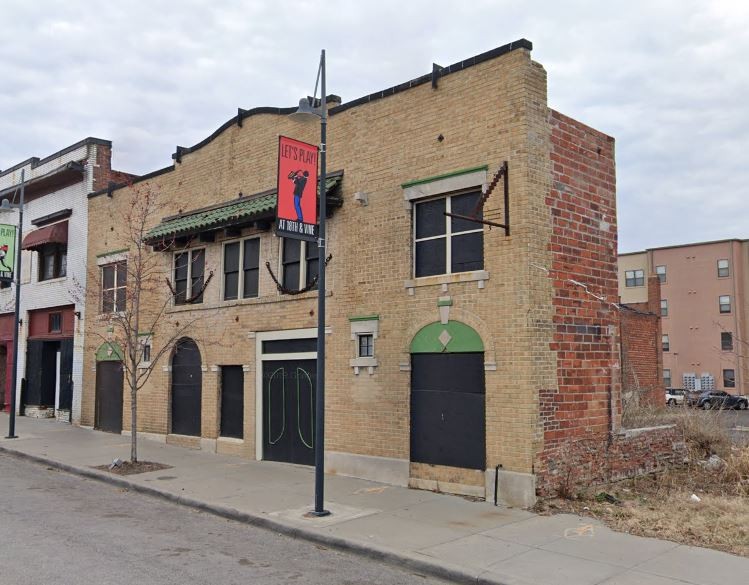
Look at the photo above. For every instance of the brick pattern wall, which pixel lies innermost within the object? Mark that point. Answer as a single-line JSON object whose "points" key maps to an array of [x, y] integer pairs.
{"points": [[642, 352], [583, 244]]}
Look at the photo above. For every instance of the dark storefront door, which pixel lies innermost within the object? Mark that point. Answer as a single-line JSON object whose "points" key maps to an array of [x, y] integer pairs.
{"points": [[447, 409], [66, 374], [289, 411], [109, 378], [187, 382], [232, 402]]}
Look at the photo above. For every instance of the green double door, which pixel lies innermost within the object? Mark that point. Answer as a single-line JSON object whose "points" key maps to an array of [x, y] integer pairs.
{"points": [[289, 411]]}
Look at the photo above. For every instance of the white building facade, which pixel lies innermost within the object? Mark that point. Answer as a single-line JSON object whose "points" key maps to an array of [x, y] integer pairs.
{"points": [[53, 278]]}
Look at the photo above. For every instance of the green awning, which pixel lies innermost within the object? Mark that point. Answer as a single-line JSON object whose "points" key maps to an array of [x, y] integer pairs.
{"points": [[232, 213]]}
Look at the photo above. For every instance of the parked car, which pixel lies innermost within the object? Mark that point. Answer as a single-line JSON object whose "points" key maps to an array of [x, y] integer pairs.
{"points": [[675, 396], [721, 399]]}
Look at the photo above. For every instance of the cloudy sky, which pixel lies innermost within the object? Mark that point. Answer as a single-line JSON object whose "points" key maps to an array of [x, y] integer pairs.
{"points": [[668, 79]]}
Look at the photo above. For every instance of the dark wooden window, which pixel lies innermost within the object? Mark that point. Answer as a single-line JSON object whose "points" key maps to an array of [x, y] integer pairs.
{"points": [[729, 379], [55, 322], [726, 341], [53, 261], [444, 244], [298, 274], [113, 287], [366, 345], [189, 270], [241, 283]]}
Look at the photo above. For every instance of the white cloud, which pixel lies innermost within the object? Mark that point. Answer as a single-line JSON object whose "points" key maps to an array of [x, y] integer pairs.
{"points": [[665, 78]]}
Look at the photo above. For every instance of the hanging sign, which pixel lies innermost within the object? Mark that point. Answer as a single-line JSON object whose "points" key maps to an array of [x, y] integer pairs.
{"points": [[7, 252], [296, 209]]}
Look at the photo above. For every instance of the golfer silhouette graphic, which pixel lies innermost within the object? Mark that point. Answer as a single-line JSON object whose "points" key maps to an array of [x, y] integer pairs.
{"points": [[300, 182]]}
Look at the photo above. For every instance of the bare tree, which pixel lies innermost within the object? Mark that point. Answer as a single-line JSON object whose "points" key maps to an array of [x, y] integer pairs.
{"points": [[135, 311]]}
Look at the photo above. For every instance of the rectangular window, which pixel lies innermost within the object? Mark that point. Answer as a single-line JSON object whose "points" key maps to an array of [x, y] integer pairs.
{"points": [[146, 353], [299, 264], [664, 308], [113, 287], [667, 378], [53, 261], [726, 341], [189, 269], [665, 343], [444, 244], [723, 270], [661, 272], [241, 283], [724, 302], [634, 278], [366, 345], [55, 322], [729, 379]]}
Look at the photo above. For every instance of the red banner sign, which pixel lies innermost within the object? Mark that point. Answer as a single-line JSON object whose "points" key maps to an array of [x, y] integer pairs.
{"points": [[296, 210]]}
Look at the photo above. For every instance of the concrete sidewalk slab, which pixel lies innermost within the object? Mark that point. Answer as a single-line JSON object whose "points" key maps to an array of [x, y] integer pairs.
{"points": [[445, 536]]}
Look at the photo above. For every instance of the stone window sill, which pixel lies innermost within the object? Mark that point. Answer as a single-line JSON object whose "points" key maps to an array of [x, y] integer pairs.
{"points": [[480, 276]]}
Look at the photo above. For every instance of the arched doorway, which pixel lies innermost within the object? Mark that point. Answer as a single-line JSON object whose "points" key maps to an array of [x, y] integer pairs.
{"points": [[448, 419], [187, 383], [109, 381]]}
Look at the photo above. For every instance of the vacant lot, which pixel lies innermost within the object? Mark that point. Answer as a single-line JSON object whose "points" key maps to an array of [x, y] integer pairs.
{"points": [[704, 502]]}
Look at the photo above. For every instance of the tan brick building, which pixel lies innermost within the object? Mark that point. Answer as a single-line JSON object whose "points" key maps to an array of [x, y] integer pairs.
{"points": [[453, 349]]}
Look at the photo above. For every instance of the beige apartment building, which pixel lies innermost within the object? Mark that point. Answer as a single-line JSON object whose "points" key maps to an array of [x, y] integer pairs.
{"points": [[703, 310]]}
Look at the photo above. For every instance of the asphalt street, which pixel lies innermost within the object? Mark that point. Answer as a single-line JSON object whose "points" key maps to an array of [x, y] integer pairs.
{"points": [[62, 529]]}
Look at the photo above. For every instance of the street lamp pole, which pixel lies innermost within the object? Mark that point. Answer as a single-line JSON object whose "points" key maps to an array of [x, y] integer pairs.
{"points": [[19, 242], [321, 247]]}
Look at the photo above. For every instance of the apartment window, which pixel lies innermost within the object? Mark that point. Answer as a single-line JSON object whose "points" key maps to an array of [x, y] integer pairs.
{"points": [[724, 302], [444, 244], [667, 378], [726, 341], [53, 261], [729, 379], [664, 308], [113, 287], [241, 269], [661, 272], [665, 343], [634, 278], [146, 357], [366, 345], [189, 268], [299, 263], [55, 322], [723, 270]]}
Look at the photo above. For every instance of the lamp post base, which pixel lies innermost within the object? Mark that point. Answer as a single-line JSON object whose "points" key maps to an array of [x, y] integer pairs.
{"points": [[11, 437], [316, 514]]}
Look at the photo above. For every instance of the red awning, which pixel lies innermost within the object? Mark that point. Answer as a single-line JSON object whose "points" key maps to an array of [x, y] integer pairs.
{"points": [[49, 234]]}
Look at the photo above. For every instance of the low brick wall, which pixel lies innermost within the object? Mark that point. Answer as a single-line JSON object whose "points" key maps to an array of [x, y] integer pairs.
{"points": [[593, 460]]}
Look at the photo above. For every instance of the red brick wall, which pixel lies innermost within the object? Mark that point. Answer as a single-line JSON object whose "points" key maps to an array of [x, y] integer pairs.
{"points": [[581, 418], [642, 354], [582, 202], [103, 172]]}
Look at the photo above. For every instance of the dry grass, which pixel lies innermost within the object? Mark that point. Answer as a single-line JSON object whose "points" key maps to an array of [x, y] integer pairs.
{"points": [[660, 506]]}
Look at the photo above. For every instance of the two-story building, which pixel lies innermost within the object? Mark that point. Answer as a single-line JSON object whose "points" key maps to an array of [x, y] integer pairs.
{"points": [[53, 277], [456, 350]]}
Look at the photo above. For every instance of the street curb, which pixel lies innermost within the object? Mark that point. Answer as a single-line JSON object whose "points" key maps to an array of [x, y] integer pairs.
{"points": [[401, 560]]}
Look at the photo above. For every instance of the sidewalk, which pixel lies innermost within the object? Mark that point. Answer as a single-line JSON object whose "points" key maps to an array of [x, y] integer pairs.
{"points": [[446, 536]]}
